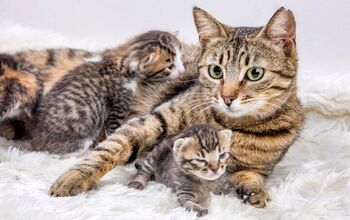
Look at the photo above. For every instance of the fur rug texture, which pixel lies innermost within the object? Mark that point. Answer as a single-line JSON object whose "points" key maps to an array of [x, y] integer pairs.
{"points": [[311, 182]]}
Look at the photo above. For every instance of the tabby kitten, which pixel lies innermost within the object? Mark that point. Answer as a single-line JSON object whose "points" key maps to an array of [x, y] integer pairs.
{"points": [[190, 164], [97, 95], [21, 86], [54, 64], [247, 84]]}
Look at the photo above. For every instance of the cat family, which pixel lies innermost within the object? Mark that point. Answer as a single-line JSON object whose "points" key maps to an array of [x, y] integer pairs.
{"points": [[154, 56], [190, 163], [247, 83]]}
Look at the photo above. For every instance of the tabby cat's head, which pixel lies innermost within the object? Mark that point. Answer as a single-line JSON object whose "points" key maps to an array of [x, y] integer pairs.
{"points": [[154, 55], [204, 153], [248, 71]]}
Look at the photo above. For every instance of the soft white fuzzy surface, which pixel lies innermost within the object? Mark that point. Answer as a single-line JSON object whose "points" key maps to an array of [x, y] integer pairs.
{"points": [[312, 182]]}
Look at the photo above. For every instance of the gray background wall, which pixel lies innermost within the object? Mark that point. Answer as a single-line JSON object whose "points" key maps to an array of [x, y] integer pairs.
{"points": [[323, 30]]}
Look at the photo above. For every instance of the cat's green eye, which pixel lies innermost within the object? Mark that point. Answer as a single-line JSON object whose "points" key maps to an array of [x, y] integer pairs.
{"points": [[215, 72], [255, 73]]}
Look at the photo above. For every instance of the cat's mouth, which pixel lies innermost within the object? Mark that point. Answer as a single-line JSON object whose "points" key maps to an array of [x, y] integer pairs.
{"points": [[238, 108]]}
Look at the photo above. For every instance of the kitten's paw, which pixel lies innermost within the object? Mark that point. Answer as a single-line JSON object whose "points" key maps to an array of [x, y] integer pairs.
{"points": [[255, 194], [201, 211], [71, 183], [136, 185]]}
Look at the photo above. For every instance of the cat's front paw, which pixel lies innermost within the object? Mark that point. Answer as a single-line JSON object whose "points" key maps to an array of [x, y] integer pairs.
{"points": [[71, 183], [255, 194], [201, 211], [136, 185]]}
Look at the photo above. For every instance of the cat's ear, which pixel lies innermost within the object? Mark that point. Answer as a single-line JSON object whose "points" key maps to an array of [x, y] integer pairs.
{"points": [[208, 27], [226, 135], [180, 144], [281, 30]]}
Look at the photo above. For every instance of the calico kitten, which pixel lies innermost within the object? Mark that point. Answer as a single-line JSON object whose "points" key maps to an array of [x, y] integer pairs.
{"points": [[97, 94], [190, 163], [21, 87], [247, 84]]}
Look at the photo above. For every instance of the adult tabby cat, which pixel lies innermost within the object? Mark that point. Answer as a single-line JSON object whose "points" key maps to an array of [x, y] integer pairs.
{"points": [[97, 94], [192, 164], [247, 84]]}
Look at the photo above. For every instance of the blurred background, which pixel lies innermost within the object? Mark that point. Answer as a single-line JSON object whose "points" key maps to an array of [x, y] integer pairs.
{"points": [[323, 27]]}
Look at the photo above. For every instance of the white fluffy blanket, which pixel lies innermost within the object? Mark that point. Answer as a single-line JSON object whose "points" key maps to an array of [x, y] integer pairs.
{"points": [[312, 182]]}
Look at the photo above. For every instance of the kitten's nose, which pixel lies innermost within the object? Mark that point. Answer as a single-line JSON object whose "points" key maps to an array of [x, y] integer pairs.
{"points": [[214, 167], [228, 99]]}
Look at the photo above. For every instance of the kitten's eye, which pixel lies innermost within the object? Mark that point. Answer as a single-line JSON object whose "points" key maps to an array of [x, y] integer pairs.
{"points": [[255, 73], [215, 72], [168, 60], [199, 161], [222, 156], [171, 66]]}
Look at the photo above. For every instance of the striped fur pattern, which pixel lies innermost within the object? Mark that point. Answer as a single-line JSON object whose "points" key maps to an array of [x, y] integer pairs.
{"points": [[96, 95], [190, 163], [247, 84], [21, 87], [54, 64]]}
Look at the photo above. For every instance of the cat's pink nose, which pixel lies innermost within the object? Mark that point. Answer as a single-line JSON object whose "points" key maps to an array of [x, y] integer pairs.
{"points": [[228, 99], [214, 167]]}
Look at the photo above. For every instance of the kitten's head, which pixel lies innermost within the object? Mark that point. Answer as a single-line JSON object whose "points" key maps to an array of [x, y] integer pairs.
{"points": [[248, 71], [203, 153], [155, 54]]}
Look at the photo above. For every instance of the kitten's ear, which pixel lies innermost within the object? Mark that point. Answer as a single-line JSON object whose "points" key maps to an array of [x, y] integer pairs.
{"points": [[180, 144], [208, 27], [226, 135], [281, 30]]}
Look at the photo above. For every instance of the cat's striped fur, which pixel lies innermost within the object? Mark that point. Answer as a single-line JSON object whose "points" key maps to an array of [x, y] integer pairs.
{"points": [[53, 64], [265, 115], [21, 86], [192, 164], [96, 95]]}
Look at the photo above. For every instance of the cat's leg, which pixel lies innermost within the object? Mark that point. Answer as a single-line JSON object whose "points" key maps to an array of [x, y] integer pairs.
{"points": [[249, 186], [147, 167], [189, 199]]}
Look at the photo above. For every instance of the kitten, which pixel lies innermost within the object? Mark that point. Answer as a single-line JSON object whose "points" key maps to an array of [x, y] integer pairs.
{"points": [[190, 163], [53, 64], [96, 95], [21, 87], [247, 83]]}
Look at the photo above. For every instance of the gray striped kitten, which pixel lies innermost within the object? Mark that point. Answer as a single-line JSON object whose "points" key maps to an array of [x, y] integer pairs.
{"points": [[96, 95], [192, 164]]}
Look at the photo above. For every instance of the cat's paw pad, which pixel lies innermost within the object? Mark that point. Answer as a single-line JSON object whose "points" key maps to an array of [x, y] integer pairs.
{"points": [[254, 194], [136, 185]]}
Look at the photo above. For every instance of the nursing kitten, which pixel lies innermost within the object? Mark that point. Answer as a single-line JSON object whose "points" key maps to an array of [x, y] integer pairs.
{"points": [[247, 84], [96, 95], [54, 64], [21, 87], [190, 163]]}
